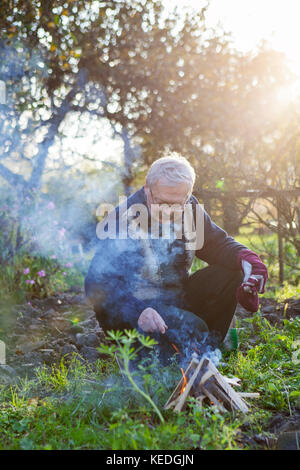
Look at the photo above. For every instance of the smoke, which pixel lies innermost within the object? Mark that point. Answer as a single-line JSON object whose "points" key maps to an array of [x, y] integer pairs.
{"points": [[130, 274], [59, 219]]}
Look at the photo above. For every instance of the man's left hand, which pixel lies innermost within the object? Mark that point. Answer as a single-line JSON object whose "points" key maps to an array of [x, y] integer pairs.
{"points": [[255, 278], [252, 282]]}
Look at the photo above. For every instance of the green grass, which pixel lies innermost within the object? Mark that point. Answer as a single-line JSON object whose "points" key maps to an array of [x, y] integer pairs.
{"points": [[266, 246], [76, 406]]}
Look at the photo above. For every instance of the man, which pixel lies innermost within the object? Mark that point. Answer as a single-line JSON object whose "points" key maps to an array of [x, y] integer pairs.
{"points": [[140, 275]]}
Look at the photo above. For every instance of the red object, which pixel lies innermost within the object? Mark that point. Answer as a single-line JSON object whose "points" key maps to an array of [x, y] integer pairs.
{"points": [[255, 282]]}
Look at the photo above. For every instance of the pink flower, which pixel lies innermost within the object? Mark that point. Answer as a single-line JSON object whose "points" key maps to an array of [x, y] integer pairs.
{"points": [[26, 271], [32, 281], [42, 273], [27, 281], [64, 273], [29, 303], [53, 256], [51, 205], [68, 265]]}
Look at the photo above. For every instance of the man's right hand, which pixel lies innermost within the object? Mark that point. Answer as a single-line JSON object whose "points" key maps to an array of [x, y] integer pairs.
{"points": [[150, 321]]}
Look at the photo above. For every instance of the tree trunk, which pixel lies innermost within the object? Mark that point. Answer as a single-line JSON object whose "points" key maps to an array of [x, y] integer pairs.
{"points": [[231, 219]]}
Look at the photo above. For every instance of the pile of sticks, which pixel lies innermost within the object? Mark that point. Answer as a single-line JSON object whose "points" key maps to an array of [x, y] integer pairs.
{"points": [[202, 381]]}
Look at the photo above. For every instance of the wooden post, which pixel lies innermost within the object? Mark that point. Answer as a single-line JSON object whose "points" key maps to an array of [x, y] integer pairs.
{"points": [[280, 242]]}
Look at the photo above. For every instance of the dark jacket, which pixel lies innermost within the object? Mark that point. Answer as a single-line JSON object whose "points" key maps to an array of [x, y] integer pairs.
{"points": [[128, 275]]}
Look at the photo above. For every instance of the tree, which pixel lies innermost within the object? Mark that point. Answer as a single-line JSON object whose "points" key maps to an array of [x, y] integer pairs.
{"points": [[103, 58], [161, 80]]}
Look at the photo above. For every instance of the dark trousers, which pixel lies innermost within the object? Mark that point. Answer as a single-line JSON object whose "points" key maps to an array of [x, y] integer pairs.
{"points": [[199, 322], [201, 317], [210, 294]]}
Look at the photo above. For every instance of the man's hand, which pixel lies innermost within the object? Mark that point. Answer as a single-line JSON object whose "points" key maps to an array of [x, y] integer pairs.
{"points": [[255, 272], [150, 321], [255, 278], [252, 282]]}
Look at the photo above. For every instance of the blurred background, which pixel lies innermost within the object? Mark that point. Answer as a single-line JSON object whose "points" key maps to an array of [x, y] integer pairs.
{"points": [[92, 92]]}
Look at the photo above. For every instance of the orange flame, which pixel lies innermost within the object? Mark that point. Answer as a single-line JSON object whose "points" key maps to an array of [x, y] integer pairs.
{"points": [[184, 382]]}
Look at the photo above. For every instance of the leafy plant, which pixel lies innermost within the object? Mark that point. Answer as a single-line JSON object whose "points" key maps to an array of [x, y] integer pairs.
{"points": [[126, 352]]}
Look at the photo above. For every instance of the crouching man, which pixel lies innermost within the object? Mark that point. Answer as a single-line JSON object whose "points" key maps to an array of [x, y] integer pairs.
{"points": [[140, 274]]}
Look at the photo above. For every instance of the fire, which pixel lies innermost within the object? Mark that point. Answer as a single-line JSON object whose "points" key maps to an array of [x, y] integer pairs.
{"points": [[184, 382]]}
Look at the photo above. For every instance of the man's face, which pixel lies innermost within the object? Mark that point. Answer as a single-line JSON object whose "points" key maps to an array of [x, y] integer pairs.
{"points": [[161, 198]]}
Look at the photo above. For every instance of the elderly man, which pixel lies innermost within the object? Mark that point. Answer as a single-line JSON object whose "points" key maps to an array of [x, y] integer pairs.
{"points": [[140, 277]]}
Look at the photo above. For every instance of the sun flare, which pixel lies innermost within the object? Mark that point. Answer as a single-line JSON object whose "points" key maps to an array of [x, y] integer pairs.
{"points": [[250, 22]]}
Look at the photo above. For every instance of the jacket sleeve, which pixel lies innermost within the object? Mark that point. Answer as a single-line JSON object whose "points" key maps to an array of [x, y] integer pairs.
{"points": [[218, 247]]}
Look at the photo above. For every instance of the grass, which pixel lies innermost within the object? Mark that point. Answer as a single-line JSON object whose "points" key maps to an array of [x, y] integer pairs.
{"points": [[77, 406], [266, 246]]}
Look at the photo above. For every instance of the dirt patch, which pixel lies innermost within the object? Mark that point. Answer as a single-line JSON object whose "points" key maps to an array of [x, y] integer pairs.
{"points": [[275, 312], [47, 329]]}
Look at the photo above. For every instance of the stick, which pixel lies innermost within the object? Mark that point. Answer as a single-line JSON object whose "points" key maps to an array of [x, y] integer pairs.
{"points": [[188, 387], [232, 380], [234, 396], [213, 399], [249, 395], [192, 365], [171, 403]]}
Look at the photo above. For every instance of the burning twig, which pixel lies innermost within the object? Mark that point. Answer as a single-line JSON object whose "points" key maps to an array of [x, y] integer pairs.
{"points": [[184, 381]]}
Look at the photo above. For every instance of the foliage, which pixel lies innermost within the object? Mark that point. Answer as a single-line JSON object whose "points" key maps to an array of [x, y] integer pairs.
{"points": [[127, 351], [265, 363], [99, 61], [287, 291], [37, 276], [266, 246]]}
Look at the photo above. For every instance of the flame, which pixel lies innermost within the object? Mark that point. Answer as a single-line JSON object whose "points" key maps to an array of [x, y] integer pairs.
{"points": [[184, 382]]}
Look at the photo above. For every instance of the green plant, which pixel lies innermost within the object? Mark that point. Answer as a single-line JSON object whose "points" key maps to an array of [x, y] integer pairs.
{"points": [[286, 291], [126, 352]]}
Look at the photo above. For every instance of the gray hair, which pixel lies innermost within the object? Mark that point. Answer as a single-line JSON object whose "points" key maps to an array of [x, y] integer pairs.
{"points": [[173, 169]]}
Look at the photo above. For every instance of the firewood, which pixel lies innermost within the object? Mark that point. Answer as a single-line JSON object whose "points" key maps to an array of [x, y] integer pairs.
{"points": [[202, 380], [199, 399], [249, 395], [232, 381], [213, 399], [241, 404], [191, 367], [171, 404], [223, 397], [206, 376], [182, 400]]}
